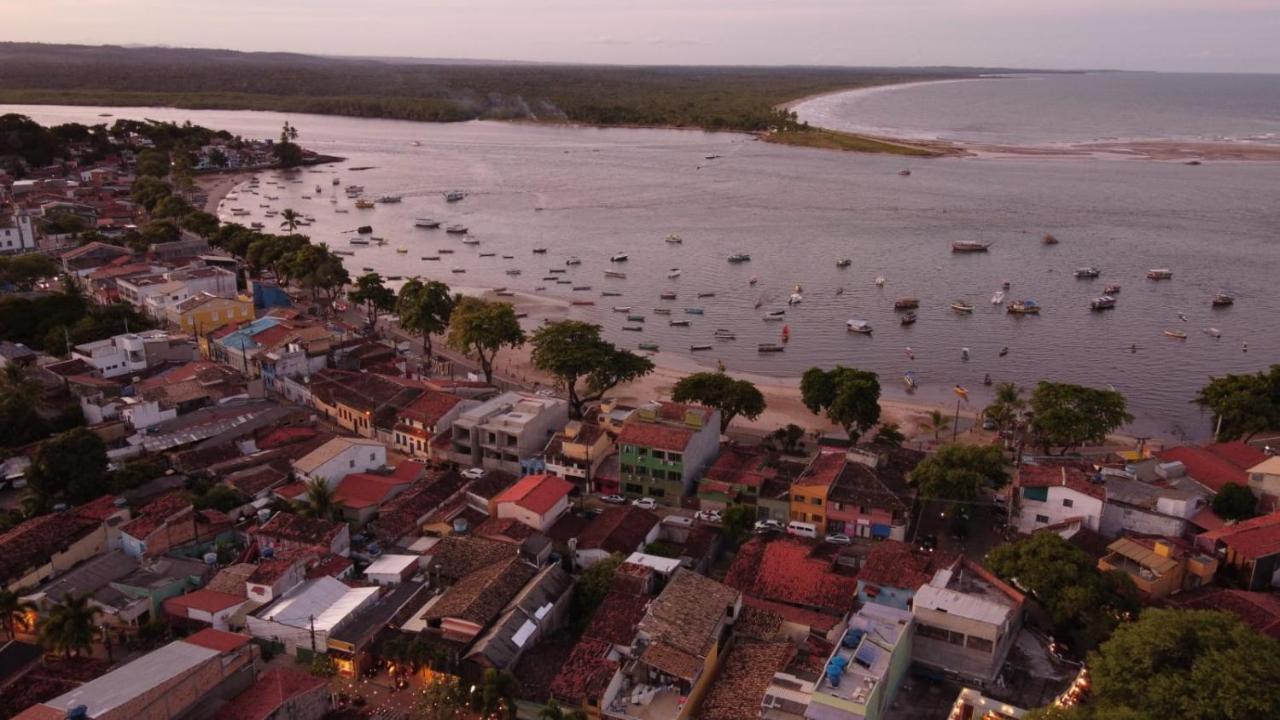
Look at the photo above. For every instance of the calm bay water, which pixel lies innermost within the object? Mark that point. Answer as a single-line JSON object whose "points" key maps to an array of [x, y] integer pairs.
{"points": [[594, 192]]}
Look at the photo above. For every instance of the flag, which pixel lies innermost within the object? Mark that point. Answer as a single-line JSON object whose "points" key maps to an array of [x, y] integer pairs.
{"points": [[962, 392]]}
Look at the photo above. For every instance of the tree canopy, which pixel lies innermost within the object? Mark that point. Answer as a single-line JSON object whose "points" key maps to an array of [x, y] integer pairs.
{"points": [[424, 308], [737, 522], [1068, 416], [1084, 603], [716, 389], [482, 328], [850, 397], [1244, 404], [960, 472], [1235, 502], [71, 465], [572, 350], [376, 297]]}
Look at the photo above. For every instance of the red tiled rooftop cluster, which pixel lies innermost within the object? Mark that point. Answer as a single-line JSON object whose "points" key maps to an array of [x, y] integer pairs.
{"points": [[653, 435], [1217, 464], [362, 490], [536, 493], [1069, 475], [823, 471], [740, 466], [269, 693], [586, 674], [288, 526], [618, 529], [743, 680], [1250, 539], [898, 565], [784, 570], [1258, 610], [615, 620]]}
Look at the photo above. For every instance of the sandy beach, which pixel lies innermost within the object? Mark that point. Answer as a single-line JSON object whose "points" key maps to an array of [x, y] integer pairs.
{"points": [[216, 186]]}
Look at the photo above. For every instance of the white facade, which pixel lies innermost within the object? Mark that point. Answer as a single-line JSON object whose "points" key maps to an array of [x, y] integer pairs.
{"points": [[115, 356], [540, 522], [17, 236], [339, 458], [500, 433], [309, 613], [154, 294], [1060, 504], [392, 569]]}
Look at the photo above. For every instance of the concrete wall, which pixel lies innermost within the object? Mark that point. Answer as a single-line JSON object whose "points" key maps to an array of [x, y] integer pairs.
{"points": [[1117, 518], [175, 696], [1083, 506]]}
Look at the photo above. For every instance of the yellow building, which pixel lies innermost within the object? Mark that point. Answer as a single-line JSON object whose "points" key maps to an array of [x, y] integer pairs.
{"points": [[809, 491], [203, 313], [1158, 567]]}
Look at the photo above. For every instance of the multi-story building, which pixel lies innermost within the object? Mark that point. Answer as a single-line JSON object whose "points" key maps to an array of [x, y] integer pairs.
{"points": [[1159, 567], [339, 458], [577, 453], [507, 433], [966, 621], [665, 447], [430, 416], [155, 294], [810, 491], [866, 669], [16, 233], [204, 312], [1051, 494], [134, 352]]}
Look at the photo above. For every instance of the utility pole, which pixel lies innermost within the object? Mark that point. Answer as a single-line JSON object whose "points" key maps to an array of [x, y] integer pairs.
{"points": [[955, 422], [313, 634]]}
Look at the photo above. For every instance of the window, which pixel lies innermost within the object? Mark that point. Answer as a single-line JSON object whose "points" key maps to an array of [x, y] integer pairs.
{"points": [[642, 451], [674, 457], [657, 492], [1068, 502], [659, 455], [980, 644], [634, 489], [674, 476], [816, 501], [1042, 519], [626, 469], [956, 638], [931, 632], [1038, 494]]}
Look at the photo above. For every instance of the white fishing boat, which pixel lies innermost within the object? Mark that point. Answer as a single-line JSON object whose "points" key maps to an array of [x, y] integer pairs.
{"points": [[454, 196], [456, 229], [739, 258], [795, 299], [618, 257], [1213, 332], [962, 307], [622, 308], [673, 273], [843, 262], [469, 240], [615, 274], [1159, 274], [880, 281], [858, 326], [426, 223], [1176, 334], [674, 239], [998, 298], [389, 199], [573, 260]]}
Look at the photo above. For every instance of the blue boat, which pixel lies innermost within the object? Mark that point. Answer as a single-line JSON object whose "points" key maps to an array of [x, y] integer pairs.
{"points": [[693, 311]]}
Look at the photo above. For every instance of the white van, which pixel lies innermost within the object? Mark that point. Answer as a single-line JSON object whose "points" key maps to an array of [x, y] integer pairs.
{"points": [[802, 529]]}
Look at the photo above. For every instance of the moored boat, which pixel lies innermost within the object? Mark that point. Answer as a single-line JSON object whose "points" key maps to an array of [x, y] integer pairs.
{"points": [[539, 251], [1159, 274], [1213, 332], [1087, 273], [1111, 290], [909, 379], [615, 274], [650, 346], [998, 298], [667, 296], [674, 239], [622, 308], [969, 246], [739, 258], [770, 348], [693, 311], [632, 328], [861, 327], [1024, 307], [1105, 302], [364, 229], [673, 273], [843, 263], [678, 323], [1223, 299], [1176, 334], [618, 257], [962, 307], [364, 204], [906, 303], [454, 195], [662, 311], [573, 260], [456, 229], [908, 319], [697, 348], [426, 223], [635, 318], [774, 315]]}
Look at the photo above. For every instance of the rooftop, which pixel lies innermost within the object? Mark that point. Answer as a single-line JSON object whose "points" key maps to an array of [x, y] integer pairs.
{"points": [[271, 690], [536, 493], [1216, 464], [204, 600], [969, 590], [787, 569], [744, 678], [615, 620], [586, 674], [881, 627], [1249, 539], [823, 470], [326, 601], [683, 621], [1258, 610], [310, 531], [1074, 476], [653, 435], [742, 466], [330, 450], [898, 565], [618, 529], [361, 490], [480, 596]]}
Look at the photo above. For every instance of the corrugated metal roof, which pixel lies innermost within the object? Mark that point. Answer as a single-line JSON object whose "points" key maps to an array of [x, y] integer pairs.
{"points": [[128, 682]]}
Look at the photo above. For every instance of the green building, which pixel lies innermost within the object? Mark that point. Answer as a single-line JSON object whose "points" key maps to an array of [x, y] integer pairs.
{"points": [[664, 448]]}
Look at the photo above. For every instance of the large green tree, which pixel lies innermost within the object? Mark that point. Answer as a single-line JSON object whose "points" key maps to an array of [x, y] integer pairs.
{"points": [[1084, 603], [849, 397], [1235, 502], [374, 295], [716, 389], [1183, 664], [960, 472], [24, 270], [737, 522], [13, 612], [1067, 416], [68, 628], [572, 350], [72, 465], [153, 163], [1243, 405], [482, 328], [424, 308], [1007, 406]]}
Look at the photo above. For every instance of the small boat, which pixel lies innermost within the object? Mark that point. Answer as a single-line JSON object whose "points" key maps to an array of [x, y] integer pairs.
{"points": [[343, 252], [426, 223], [618, 257], [843, 263], [693, 311], [770, 348], [1176, 334], [622, 308], [673, 273], [1213, 332], [607, 293], [368, 269], [753, 280], [459, 270], [961, 306], [306, 197], [635, 318], [395, 277], [880, 281], [1049, 239], [706, 294], [256, 226], [675, 239], [1223, 299], [632, 328], [1087, 273], [581, 288], [986, 379], [456, 229], [416, 143], [998, 298], [1160, 274], [583, 302], [909, 379], [739, 258], [798, 288], [908, 319], [861, 327], [650, 346], [906, 303], [667, 296], [775, 315], [487, 254], [697, 348], [722, 331], [662, 311], [344, 211], [539, 251], [1024, 307], [678, 323], [431, 257], [402, 251], [1105, 302], [337, 181], [514, 271], [364, 205], [573, 260], [615, 274], [1111, 290], [964, 353], [711, 157], [319, 189], [904, 173], [364, 229], [446, 251], [557, 271], [969, 246], [1004, 351], [454, 196], [795, 299]]}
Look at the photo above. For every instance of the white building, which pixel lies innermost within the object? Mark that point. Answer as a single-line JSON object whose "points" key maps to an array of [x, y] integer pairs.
{"points": [[306, 615], [537, 501], [156, 293], [966, 621], [392, 569], [1051, 494], [16, 234], [115, 356], [508, 431], [339, 458]]}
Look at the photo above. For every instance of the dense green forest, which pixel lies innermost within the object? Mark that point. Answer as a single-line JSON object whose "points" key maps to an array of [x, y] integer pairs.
{"points": [[729, 98]]}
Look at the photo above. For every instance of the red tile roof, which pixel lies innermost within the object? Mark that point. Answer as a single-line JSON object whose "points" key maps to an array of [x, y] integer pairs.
{"points": [[266, 696], [816, 621], [157, 513], [741, 466], [823, 471], [585, 675], [280, 436], [100, 509], [210, 601], [1217, 464], [616, 618], [653, 435], [744, 679], [898, 565], [1073, 476], [223, 642], [618, 529], [288, 526], [536, 493], [1250, 539], [409, 470], [33, 541], [430, 407], [362, 490], [786, 570], [1258, 610]]}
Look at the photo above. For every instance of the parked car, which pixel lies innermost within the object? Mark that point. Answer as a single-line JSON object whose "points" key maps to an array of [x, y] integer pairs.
{"points": [[929, 543], [613, 499], [765, 526], [711, 516], [838, 539], [988, 424], [645, 503], [473, 473]]}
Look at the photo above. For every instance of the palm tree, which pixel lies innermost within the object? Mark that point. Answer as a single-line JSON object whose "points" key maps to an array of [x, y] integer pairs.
{"points": [[553, 711], [320, 502], [13, 612], [937, 421], [289, 219], [69, 626], [1007, 405], [497, 695]]}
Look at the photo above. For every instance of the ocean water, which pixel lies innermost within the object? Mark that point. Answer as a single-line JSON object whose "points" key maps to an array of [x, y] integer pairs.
{"points": [[593, 192], [1063, 109]]}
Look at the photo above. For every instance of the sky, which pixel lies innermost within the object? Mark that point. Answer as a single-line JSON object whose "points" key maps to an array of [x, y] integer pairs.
{"points": [[1167, 35]]}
